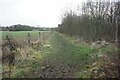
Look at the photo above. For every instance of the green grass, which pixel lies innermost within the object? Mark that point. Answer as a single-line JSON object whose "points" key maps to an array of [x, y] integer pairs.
{"points": [[21, 34], [60, 49], [67, 52]]}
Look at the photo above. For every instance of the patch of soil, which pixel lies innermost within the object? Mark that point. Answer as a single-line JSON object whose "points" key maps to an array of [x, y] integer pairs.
{"points": [[59, 70]]}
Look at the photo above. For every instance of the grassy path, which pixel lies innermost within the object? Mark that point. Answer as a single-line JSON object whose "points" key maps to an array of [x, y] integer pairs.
{"points": [[68, 60], [61, 58], [68, 53], [65, 59]]}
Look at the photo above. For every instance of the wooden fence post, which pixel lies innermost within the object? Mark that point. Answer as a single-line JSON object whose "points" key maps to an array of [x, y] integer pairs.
{"points": [[39, 35], [11, 56], [44, 37], [29, 39]]}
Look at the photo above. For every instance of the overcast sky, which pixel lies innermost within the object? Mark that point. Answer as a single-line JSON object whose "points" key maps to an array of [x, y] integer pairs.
{"points": [[45, 13]]}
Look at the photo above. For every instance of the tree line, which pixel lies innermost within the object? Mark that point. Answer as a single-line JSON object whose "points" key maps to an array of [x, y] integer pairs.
{"points": [[98, 20], [19, 27]]}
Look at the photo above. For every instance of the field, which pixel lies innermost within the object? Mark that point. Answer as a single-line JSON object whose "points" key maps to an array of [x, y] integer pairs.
{"points": [[20, 34], [56, 55]]}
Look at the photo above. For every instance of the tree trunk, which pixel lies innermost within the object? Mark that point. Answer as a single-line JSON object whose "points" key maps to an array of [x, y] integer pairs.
{"points": [[116, 32]]}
